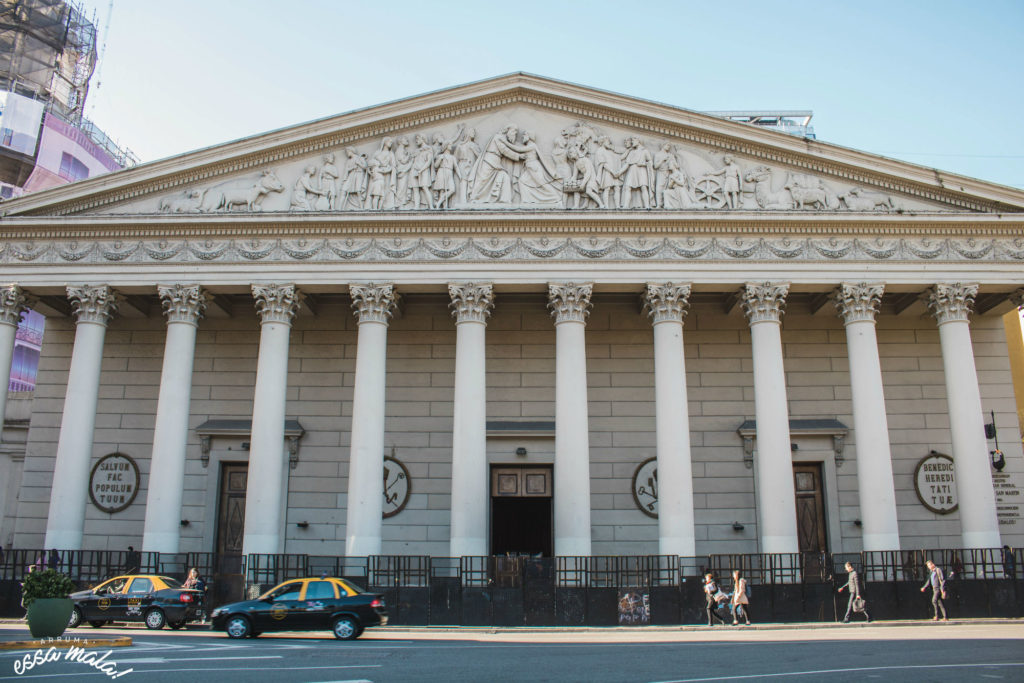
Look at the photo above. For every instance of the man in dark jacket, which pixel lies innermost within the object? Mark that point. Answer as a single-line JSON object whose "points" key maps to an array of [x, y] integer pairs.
{"points": [[938, 583], [853, 584]]}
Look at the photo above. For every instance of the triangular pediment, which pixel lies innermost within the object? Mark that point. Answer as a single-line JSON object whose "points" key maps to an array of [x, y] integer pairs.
{"points": [[519, 143]]}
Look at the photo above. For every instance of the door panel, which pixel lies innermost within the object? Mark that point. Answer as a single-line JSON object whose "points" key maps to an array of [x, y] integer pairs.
{"points": [[231, 516]]}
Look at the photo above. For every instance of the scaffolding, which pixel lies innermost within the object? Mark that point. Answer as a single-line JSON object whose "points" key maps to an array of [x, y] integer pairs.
{"points": [[48, 53]]}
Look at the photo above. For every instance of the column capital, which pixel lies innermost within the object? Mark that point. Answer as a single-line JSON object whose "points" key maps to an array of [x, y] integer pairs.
{"points": [[569, 302], [858, 302], [373, 303], [276, 303], [471, 301], [13, 303], [183, 303], [764, 301], [93, 303], [666, 302], [1017, 297], [950, 302]]}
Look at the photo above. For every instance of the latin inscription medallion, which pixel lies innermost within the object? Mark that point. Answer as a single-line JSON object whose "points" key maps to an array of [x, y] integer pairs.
{"points": [[114, 482], [645, 487], [397, 487], [935, 483]]}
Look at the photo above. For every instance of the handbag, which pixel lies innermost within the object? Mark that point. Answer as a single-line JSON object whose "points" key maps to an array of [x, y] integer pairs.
{"points": [[859, 604]]}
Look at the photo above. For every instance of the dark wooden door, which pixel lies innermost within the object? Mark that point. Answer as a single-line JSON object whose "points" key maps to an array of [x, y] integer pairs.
{"points": [[231, 514], [810, 519], [521, 510]]}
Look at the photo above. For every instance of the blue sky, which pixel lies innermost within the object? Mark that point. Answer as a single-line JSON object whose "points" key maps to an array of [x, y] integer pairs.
{"points": [[935, 83]]}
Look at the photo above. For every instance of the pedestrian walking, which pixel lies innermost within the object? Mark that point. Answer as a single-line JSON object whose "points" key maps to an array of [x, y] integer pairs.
{"points": [[740, 598], [713, 596], [938, 583], [857, 602]]}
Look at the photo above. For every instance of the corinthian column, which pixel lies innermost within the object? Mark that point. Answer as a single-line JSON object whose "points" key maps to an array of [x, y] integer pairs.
{"points": [[570, 305], [13, 303], [93, 307], [667, 304], [857, 305], [183, 305], [471, 305], [374, 305], [276, 306], [951, 304], [763, 304]]}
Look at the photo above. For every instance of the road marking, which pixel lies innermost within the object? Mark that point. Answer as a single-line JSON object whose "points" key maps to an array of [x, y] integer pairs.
{"points": [[164, 660], [157, 671], [840, 671]]}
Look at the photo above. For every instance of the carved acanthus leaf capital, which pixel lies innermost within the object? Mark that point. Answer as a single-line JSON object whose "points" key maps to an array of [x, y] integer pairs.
{"points": [[667, 302], [13, 303], [373, 303], [950, 302], [764, 301], [857, 302], [471, 301], [93, 303], [1017, 297], [276, 303], [569, 302], [183, 303]]}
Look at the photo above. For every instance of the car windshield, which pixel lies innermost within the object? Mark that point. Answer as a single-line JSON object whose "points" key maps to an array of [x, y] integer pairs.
{"points": [[171, 583]]}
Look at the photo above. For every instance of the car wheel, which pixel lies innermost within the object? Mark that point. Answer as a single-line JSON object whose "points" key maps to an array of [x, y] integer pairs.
{"points": [[177, 624], [345, 628], [155, 619], [76, 618], [238, 627], [97, 624]]}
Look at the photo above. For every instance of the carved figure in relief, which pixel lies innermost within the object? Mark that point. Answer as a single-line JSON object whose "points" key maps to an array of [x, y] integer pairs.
{"points": [[234, 193], [186, 202], [637, 172], [560, 153], [493, 172], [403, 166], [665, 164], [859, 199], [466, 153], [677, 191], [329, 176], [537, 184], [445, 170], [761, 177], [353, 188], [304, 190], [606, 161], [582, 181], [421, 173], [811, 192], [380, 192], [732, 181]]}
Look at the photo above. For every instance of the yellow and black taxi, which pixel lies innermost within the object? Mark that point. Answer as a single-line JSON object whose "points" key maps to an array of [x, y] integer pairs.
{"points": [[150, 598], [304, 605]]}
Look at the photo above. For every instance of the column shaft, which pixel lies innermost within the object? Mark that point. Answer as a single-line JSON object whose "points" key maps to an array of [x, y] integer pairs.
{"points": [[469, 443], [572, 441], [13, 302]]}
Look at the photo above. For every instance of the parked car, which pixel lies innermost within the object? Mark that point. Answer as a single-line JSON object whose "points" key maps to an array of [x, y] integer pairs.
{"points": [[155, 600], [319, 604]]}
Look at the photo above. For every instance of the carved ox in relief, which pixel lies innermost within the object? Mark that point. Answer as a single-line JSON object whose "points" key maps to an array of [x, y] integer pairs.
{"points": [[761, 177], [228, 195], [186, 202], [815, 196], [858, 199]]}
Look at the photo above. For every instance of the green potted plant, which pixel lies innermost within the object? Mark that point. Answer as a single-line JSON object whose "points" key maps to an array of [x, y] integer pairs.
{"points": [[45, 595]]}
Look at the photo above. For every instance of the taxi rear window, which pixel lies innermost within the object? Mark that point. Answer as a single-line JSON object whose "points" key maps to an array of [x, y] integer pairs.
{"points": [[352, 588], [171, 583]]}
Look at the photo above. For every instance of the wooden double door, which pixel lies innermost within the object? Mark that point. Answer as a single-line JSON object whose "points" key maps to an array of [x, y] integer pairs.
{"points": [[521, 510]]}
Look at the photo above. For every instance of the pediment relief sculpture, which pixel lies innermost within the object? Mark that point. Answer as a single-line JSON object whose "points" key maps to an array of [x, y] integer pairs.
{"points": [[498, 163]]}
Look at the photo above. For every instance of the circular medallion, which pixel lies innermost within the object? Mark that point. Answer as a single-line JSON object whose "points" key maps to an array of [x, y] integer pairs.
{"points": [[935, 483], [645, 487], [114, 482], [397, 487], [103, 604], [278, 611]]}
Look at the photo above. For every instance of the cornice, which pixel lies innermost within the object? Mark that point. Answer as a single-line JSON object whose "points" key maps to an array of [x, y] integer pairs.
{"points": [[577, 101]]}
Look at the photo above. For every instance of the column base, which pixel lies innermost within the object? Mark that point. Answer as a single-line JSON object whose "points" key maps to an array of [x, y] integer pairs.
{"points": [[779, 544], [468, 547], [160, 542], [261, 544], [981, 539], [63, 540], [362, 546], [880, 542]]}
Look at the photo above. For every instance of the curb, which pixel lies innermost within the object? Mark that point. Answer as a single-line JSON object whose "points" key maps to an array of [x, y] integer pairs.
{"points": [[62, 643]]}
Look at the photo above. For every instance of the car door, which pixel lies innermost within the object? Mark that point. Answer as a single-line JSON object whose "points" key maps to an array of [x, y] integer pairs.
{"points": [[137, 597], [318, 603], [111, 601], [282, 609]]}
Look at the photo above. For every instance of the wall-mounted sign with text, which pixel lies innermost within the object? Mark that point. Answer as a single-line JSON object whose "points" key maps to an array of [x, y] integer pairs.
{"points": [[114, 482], [935, 483]]}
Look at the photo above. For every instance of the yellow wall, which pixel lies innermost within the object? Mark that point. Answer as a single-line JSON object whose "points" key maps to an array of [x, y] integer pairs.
{"points": [[1015, 344]]}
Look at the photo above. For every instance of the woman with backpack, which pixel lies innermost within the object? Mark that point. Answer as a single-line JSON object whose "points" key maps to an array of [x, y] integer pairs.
{"points": [[740, 598]]}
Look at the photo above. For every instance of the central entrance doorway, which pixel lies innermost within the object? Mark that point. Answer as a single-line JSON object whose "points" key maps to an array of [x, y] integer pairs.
{"points": [[810, 516], [521, 510]]}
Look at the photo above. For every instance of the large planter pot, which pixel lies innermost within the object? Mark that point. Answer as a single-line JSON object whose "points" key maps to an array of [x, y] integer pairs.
{"points": [[48, 617]]}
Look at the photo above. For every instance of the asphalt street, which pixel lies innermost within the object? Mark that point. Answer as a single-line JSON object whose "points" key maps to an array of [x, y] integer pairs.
{"points": [[942, 652]]}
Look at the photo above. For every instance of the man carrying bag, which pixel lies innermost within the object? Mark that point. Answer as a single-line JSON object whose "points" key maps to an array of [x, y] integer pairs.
{"points": [[856, 603]]}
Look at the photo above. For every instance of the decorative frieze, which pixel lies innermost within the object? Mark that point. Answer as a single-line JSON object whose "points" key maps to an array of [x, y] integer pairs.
{"points": [[667, 302], [13, 303], [950, 302], [764, 302], [471, 301], [857, 302], [373, 303], [276, 303], [183, 303], [569, 302], [93, 303]]}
